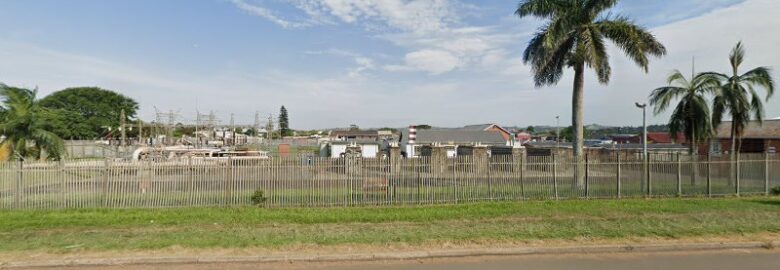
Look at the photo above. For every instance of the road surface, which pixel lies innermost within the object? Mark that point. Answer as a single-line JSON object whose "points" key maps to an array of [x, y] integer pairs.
{"points": [[713, 260]]}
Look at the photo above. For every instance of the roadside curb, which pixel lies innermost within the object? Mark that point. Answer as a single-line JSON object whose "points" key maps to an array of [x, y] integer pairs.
{"points": [[409, 255]]}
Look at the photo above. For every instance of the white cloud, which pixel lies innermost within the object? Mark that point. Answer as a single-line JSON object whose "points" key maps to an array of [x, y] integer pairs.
{"points": [[429, 30], [363, 63], [267, 14], [431, 61]]}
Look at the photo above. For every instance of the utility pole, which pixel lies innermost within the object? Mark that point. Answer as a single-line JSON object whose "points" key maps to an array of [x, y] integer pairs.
{"points": [[197, 134], [171, 124], [212, 122], [167, 120], [643, 106], [557, 131], [122, 128], [269, 127], [257, 122], [140, 131], [232, 131]]}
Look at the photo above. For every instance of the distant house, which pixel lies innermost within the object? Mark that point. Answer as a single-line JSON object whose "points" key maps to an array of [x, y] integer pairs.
{"points": [[338, 149], [756, 138], [456, 141], [659, 137], [546, 148], [652, 137], [656, 148], [523, 136], [351, 135], [623, 138], [489, 127]]}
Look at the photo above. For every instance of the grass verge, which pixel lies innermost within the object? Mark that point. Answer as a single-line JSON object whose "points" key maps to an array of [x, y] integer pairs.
{"points": [[151, 229]]}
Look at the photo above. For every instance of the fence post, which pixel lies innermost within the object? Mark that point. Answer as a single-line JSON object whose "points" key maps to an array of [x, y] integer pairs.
{"points": [[618, 175], [61, 169], [490, 181], [587, 177], [522, 176], [455, 179], [191, 174], [555, 175], [648, 171], [230, 198], [679, 175], [19, 175], [736, 183], [106, 164], [709, 175], [766, 173]]}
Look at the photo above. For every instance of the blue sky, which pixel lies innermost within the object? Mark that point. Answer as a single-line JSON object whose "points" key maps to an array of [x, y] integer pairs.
{"points": [[340, 62]]}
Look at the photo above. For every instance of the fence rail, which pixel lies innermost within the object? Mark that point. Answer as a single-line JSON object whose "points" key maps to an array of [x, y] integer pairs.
{"points": [[322, 182]]}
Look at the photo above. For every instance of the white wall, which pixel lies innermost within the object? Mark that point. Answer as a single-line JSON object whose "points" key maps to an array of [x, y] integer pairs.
{"points": [[337, 149], [370, 150]]}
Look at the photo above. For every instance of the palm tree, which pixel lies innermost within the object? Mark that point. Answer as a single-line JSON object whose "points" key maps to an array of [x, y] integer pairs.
{"points": [[738, 96], [23, 127], [574, 37], [691, 116]]}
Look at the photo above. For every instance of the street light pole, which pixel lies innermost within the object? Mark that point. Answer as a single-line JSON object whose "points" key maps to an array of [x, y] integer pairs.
{"points": [[557, 131], [643, 106], [646, 177]]}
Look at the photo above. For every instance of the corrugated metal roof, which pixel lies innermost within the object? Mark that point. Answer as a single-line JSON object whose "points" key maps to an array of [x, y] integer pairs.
{"points": [[354, 133], [650, 146], [459, 137], [770, 129]]}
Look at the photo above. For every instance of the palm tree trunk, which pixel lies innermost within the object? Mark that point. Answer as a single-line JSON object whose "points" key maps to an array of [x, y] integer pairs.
{"points": [[694, 157], [578, 123], [732, 176]]}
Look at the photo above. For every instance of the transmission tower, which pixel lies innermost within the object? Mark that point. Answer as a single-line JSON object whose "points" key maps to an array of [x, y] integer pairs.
{"points": [[167, 121]]}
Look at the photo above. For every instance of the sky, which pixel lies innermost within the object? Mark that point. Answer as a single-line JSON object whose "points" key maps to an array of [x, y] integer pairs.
{"points": [[378, 63]]}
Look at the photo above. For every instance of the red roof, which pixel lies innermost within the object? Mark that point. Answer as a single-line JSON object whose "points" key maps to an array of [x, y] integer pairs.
{"points": [[665, 137]]}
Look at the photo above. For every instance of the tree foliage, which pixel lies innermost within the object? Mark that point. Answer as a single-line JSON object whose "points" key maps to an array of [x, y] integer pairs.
{"points": [[738, 96], [575, 36], [691, 115], [86, 112], [23, 123], [284, 122]]}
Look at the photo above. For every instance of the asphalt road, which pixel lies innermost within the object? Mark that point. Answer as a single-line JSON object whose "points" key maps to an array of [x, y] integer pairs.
{"points": [[719, 260]]}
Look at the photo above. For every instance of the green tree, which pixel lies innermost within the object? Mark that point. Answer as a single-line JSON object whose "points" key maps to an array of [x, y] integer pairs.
{"points": [[738, 96], [530, 130], [284, 122], [574, 37], [567, 133], [89, 111], [24, 127], [691, 115]]}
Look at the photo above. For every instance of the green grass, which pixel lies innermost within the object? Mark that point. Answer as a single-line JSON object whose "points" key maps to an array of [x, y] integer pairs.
{"points": [[139, 229]]}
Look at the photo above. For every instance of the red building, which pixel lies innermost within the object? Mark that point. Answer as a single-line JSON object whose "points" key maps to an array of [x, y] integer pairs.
{"points": [[662, 137], [756, 138]]}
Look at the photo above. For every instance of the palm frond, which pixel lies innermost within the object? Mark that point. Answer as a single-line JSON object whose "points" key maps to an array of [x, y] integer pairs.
{"points": [[736, 57], [636, 42], [761, 77], [595, 7], [541, 8], [661, 97], [597, 57]]}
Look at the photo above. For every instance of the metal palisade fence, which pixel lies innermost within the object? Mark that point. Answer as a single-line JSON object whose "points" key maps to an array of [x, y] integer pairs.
{"points": [[323, 182]]}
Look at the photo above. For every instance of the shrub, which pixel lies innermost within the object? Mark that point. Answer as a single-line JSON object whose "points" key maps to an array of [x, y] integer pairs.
{"points": [[775, 191], [258, 198]]}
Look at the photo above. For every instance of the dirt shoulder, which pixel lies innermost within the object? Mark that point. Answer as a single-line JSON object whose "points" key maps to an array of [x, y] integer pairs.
{"points": [[335, 253]]}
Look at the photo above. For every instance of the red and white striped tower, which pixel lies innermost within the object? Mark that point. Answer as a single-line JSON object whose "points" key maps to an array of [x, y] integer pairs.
{"points": [[412, 134]]}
